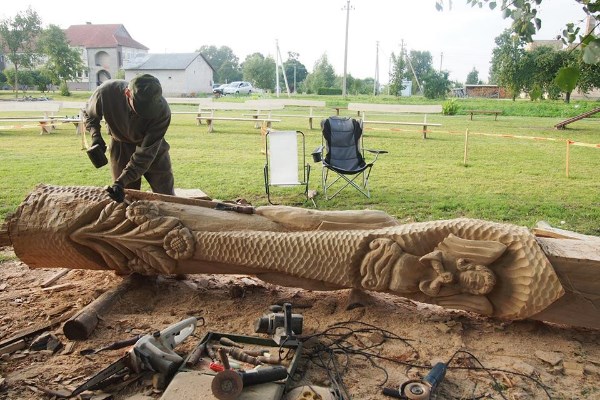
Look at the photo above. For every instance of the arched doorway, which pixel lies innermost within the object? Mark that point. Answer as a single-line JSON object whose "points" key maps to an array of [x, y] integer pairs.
{"points": [[102, 76]]}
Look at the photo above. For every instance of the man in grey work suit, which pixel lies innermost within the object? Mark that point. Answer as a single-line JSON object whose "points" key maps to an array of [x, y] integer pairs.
{"points": [[137, 117]]}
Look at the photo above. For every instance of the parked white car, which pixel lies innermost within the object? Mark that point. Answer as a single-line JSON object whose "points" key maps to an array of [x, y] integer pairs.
{"points": [[238, 87]]}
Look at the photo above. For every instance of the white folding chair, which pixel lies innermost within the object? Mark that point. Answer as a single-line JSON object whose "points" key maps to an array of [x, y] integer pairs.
{"points": [[282, 166]]}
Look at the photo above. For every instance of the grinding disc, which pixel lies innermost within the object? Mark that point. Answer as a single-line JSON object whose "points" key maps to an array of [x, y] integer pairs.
{"points": [[227, 385]]}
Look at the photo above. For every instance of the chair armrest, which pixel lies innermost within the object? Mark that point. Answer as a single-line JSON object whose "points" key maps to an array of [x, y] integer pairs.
{"points": [[317, 154], [377, 151]]}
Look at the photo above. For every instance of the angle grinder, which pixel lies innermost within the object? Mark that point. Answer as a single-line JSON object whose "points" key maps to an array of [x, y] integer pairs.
{"points": [[420, 389], [228, 384]]}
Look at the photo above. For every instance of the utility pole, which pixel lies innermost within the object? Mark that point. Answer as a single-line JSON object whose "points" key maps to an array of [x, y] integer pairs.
{"points": [[278, 62], [389, 74], [376, 83], [441, 59], [277, 68], [347, 8]]}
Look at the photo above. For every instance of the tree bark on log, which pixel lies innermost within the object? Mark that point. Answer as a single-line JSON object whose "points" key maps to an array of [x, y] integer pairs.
{"points": [[81, 326]]}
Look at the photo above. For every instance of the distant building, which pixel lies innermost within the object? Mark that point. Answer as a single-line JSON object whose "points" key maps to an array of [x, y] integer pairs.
{"points": [[104, 49], [180, 74], [555, 44], [487, 91], [406, 88]]}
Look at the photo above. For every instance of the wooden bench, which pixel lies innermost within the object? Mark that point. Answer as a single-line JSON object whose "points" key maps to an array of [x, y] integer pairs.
{"points": [[202, 102], [287, 102], [75, 108], [208, 113], [495, 112], [392, 109], [46, 122]]}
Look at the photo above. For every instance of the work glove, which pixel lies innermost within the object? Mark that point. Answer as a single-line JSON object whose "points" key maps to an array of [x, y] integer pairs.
{"points": [[116, 192], [97, 140]]}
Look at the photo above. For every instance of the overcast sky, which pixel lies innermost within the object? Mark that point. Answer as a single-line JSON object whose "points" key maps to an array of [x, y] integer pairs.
{"points": [[458, 39]]}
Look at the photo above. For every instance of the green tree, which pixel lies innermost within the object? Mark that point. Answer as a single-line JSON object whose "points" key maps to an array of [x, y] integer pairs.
{"points": [[507, 64], [566, 80], [41, 79], [225, 63], [294, 68], [589, 74], [541, 65], [25, 78], [422, 63], [17, 37], [356, 86], [323, 75], [436, 84], [473, 77], [64, 63], [398, 73], [525, 22], [259, 70]]}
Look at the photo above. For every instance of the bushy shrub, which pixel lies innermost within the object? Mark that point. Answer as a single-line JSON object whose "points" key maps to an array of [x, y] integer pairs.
{"points": [[329, 91], [64, 89], [450, 107]]}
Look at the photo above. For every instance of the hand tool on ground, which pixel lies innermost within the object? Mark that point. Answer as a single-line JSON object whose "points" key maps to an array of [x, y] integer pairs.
{"points": [[228, 384], [422, 389], [152, 352], [282, 324]]}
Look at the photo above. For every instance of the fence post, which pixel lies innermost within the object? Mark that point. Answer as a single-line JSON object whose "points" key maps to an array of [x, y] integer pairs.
{"points": [[569, 141], [466, 147]]}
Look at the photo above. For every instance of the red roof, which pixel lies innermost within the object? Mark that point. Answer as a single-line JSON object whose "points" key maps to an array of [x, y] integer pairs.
{"points": [[103, 35]]}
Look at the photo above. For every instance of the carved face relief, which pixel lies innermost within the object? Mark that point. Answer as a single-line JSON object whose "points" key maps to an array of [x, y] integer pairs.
{"points": [[474, 278]]}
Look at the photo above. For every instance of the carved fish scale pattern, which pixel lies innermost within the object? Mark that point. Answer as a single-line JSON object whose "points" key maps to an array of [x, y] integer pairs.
{"points": [[527, 283], [325, 256]]}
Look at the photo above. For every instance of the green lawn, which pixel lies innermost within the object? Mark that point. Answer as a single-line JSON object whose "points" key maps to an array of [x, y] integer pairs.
{"points": [[513, 180]]}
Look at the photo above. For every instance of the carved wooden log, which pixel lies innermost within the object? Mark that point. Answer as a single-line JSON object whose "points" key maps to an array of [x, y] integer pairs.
{"points": [[493, 269]]}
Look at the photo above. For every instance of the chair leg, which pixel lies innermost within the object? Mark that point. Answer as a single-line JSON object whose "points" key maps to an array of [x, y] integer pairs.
{"points": [[349, 182]]}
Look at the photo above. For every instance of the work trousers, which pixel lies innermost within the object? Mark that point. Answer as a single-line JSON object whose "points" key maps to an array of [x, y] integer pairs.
{"points": [[159, 175]]}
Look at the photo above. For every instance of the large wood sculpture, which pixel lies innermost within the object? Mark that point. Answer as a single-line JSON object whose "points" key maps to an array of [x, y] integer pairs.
{"points": [[493, 269]]}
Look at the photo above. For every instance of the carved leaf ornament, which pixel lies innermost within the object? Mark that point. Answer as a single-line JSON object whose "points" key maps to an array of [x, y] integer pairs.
{"points": [[137, 238]]}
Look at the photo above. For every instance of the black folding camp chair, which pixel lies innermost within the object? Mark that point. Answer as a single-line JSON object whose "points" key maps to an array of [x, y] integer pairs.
{"points": [[344, 155]]}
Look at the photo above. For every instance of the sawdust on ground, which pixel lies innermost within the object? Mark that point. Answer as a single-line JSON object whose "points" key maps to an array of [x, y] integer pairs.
{"points": [[488, 358]]}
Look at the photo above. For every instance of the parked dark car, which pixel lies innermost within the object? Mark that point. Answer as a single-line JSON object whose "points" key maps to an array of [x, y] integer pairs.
{"points": [[218, 89]]}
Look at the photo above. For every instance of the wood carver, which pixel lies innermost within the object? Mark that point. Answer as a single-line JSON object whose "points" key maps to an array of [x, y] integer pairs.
{"points": [[497, 270]]}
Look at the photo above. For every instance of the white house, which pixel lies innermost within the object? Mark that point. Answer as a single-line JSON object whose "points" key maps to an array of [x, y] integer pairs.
{"points": [[180, 74]]}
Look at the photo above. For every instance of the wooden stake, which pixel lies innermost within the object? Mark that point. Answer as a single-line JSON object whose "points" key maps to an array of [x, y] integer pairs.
{"points": [[466, 147], [55, 277], [568, 156]]}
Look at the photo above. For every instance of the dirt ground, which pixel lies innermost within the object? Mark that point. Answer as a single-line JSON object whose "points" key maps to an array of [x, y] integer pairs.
{"points": [[384, 343]]}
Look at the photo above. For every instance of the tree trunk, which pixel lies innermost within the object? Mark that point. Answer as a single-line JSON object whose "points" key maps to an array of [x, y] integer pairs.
{"points": [[568, 97], [16, 81]]}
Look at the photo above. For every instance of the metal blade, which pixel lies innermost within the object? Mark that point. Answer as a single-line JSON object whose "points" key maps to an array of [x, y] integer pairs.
{"points": [[106, 373]]}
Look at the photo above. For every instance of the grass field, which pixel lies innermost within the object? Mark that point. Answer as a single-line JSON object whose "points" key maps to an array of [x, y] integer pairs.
{"points": [[507, 179]]}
